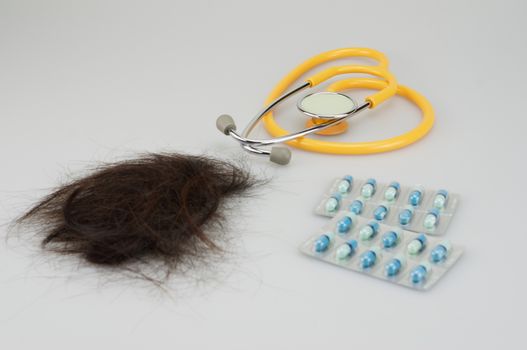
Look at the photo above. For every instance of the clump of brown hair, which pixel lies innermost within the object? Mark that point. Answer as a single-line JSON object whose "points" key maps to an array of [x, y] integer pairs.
{"points": [[158, 208]]}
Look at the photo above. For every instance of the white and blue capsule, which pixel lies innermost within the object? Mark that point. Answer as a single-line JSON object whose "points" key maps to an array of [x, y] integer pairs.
{"points": [[345, 185], [369, 231], [440, 199], [420, 273], [391, 238], [394, 266], [406, 215], [346, 250], [368, 189], [431, 219], [440, 252], [333, 203], [392, 191], [357, 206], [344, 225], [415, 197], [322, 243], [417, 245], [369, 258], [381, 211]]}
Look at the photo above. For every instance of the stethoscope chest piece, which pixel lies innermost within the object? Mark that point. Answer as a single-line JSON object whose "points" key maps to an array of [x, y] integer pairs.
{"points": [[325, 106]]}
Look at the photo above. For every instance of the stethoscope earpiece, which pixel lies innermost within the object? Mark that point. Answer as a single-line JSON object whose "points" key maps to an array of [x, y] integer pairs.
{"points": [[280, 155], [225, 124]]}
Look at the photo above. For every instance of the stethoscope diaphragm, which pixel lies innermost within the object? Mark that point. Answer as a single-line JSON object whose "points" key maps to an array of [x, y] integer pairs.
{"points": [[326, 105]]}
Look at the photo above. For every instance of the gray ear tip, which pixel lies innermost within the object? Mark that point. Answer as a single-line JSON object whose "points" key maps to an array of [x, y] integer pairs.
{"points": [[280, 155], [225, 123]]}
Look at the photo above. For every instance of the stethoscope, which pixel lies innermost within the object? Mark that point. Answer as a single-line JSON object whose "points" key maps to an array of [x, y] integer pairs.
{"points": [[328, 110]]}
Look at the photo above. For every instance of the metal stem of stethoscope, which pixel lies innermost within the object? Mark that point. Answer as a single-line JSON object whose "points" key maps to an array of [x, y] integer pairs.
{"points": [[280, 155]]}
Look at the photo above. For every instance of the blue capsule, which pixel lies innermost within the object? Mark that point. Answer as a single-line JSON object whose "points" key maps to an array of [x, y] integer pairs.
{"points": [[345, 184], [420, 273], [440, 199], [394, 266], [346, 250], [380, 212], [344, 225], [368, 258], [406, 215], [415, 197], [333, 203], [390, 239], [369, 231], [431, 219], [369, 188], [417, 245], [322, 243], [440, 252], [356, 206], [392, 192]]}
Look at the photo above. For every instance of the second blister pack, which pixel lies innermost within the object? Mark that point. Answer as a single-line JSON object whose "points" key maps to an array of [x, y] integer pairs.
{"points": [[391, 254]]}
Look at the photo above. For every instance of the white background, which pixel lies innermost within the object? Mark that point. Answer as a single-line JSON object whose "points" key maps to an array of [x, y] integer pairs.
{"points": [[89, 81]]}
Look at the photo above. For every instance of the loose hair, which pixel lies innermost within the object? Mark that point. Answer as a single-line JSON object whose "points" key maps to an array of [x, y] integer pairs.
{"points": [[165, 208]]}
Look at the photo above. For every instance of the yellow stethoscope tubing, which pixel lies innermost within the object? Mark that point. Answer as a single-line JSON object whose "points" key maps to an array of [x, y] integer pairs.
{"points": [[351, 147]]}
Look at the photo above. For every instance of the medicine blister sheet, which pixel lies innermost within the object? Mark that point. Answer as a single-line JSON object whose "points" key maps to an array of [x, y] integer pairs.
{"points": [[399, 256], [412, 208]]}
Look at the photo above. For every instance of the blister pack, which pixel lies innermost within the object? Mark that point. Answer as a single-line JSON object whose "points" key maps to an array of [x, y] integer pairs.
{"points": [[411, 208], [403, 257]]}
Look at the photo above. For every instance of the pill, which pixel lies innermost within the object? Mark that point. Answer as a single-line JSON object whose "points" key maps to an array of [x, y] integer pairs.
{"points": [[419, 273], [391, 238], [440, 199], [345, 184], [394, 266], [322, 242], [415, 197], [356, 206], [406, 215], [440, 252], [380, 212], [369, 257], [344, 224], [391, 193], [369, 231], [417, 245], [368, 189], [346, 249], [332, 204], [431, 219]]}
